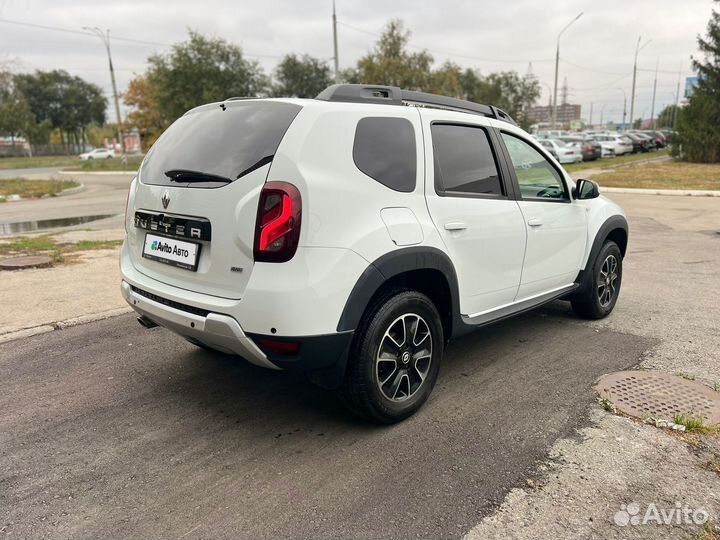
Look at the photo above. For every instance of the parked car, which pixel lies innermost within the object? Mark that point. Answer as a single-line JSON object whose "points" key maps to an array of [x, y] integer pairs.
{"points": [[590, 148], [98, 153], [658, 136], [563, 152], [351, 237], [641, 142], [619, 144]]}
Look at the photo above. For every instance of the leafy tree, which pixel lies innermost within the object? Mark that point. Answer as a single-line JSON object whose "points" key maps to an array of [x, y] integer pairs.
{"points": [[699, 124], [510, 92], [16, 117], [302, 77], [146, 114], [667, 117], [67, 103], [199, 71], [391, 63]]}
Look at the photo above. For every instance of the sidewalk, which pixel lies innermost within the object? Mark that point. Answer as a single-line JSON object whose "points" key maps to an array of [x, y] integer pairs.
{"points": [[84, 288]]}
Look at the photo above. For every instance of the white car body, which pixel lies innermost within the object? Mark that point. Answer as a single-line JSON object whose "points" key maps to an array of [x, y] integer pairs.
{"points": [[495, 255], [617, 143], [563, 152], [98, 153]]}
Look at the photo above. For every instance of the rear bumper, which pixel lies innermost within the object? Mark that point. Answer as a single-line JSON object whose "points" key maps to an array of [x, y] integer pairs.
{"points": [[216, 330]]}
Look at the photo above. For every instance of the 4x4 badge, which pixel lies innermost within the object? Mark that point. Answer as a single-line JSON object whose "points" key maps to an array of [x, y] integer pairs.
{"points": [[165, 199]]}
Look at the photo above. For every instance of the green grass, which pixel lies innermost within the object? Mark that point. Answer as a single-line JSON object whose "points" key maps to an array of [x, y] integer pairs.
{"points": [[34, 189], [611, 163], [112, 164], [27, 245], [688, 376], [40, 161], [46, 244], [693, 423]]}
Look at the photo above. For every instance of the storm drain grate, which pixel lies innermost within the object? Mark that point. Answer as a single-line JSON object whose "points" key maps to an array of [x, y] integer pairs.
{"points": [[661, 395]]}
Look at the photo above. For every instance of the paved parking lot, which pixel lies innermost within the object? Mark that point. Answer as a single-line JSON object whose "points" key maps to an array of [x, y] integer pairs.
{"points": [[109, 430]]}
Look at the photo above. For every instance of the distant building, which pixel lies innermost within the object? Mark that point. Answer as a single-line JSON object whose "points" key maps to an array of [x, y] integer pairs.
{"points": [[567, 113]]}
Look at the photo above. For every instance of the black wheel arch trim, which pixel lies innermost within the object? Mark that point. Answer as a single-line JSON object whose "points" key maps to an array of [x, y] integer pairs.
{"points": [[611, 224], [393, 264]]}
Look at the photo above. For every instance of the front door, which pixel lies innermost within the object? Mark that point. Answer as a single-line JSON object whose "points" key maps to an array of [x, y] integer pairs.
{"points": [[556, 226], [467, 196]]}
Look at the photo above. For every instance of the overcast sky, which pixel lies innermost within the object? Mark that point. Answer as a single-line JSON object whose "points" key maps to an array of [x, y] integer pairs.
{"points": [[596, 51]]}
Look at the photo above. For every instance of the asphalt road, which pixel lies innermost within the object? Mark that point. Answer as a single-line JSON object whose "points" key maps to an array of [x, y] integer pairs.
{"points": [[104, 194], [111, 430]]}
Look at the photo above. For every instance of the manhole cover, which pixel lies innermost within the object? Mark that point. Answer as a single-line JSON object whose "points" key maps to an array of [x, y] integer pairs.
{"points": [[20, 263], [642, 393]]}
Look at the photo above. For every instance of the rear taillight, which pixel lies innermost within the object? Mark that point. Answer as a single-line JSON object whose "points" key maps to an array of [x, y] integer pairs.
{"points": [[588, 148], [277, 228]]}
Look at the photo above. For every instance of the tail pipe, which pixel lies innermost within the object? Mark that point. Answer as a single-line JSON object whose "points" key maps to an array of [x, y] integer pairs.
{"points": [[146, 322]]}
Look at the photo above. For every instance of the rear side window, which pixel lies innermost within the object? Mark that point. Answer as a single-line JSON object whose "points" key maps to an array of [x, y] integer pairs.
{"points": [[464, 161], [384, 149], [226, 141]]}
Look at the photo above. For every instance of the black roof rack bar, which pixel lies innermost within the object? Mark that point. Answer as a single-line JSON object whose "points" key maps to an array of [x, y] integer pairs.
{"points": [[392, 95]]}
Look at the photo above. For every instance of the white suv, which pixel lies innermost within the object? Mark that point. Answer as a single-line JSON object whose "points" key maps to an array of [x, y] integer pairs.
{"points": [[352, 236]]}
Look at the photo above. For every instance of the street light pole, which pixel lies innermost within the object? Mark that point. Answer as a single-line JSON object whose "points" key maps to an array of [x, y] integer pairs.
{"points": [[624, 107], [335, 46], [638, 48], [557, 64], [105, 38]]}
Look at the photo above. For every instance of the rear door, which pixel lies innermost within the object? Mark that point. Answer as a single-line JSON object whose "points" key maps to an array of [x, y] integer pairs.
{"points": [[470, 203], [192, 220], [556, 227]]}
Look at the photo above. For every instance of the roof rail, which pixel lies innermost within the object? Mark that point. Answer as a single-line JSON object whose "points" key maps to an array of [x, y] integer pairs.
{"points": [[393, 95]]}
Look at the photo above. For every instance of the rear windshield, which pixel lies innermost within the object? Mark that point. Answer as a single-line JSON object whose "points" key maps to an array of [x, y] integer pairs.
{"points": [[218, 143]]}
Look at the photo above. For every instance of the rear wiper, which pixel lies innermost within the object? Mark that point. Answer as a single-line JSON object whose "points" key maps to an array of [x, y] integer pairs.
{"points": [[186, 175]]}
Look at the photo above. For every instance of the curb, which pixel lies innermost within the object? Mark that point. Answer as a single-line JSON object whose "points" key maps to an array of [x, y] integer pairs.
{"points": [[650, 191], [71, 191], [81, 173], [61, 325]]}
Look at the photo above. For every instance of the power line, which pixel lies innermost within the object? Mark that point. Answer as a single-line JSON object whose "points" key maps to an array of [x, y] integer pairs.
{"points": [[445, 53], [116, 38]]}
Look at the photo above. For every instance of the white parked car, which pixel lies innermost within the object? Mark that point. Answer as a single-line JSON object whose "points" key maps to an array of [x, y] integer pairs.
{"points": [[354, 235], [98, 153], [562, 151], [618, 144]]}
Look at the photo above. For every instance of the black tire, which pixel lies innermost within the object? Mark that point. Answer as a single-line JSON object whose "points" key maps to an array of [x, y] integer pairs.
{"points": [[598, 299], [361, 390]]}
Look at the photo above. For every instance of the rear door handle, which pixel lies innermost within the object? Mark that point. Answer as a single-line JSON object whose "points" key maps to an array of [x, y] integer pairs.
{"points": [[535, 223], [455, 226]]}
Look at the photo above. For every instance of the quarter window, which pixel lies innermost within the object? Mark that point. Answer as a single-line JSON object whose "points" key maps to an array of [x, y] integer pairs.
{"points": [[384, 149], [536, 176], [464, 161]]}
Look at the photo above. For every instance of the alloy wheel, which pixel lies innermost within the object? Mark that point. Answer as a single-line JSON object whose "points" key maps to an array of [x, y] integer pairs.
{"points": [[607, 281], [404, 357]]}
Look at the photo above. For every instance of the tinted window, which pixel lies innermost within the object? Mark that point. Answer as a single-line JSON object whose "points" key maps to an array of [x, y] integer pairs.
{"points": [[536, 176], [464, 162], [384, 149], [227, 141]]}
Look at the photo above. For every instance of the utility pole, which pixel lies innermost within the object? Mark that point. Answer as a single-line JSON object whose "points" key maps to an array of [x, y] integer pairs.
{"points": [[557, 63], [602, 114], [652, 109], [591, 111], [638, 48], [624, 107], [677, 98], [105, 38], [335, 46]]}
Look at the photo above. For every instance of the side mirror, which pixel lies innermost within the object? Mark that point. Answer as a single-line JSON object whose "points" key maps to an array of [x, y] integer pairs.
{"points": [[586, 189]]}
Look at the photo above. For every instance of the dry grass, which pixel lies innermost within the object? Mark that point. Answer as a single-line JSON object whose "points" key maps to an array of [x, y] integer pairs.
{"points": [[34, 189], [664, 175]]}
